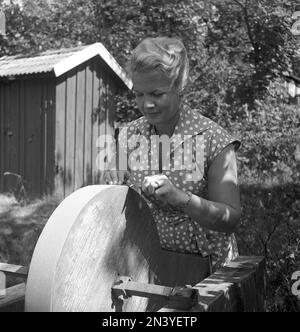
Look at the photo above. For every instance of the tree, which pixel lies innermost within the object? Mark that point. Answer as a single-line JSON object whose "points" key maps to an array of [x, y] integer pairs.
{"points": [[256, 44], [236, 47]]}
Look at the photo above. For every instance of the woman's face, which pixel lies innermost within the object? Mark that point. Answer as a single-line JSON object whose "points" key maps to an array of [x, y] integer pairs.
{"points": [[157, 101]]}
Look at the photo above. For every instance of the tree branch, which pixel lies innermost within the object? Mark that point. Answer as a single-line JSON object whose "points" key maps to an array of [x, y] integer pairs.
{"points": [[246, 17], [238, 3]]}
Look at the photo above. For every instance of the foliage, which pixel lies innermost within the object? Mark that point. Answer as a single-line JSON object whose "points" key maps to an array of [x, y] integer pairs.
{"points": [[236, 47], [270, 227], [248, 44], [269, 168]]}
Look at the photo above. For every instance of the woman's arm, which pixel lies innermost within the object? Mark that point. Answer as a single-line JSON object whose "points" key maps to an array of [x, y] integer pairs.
{"points": [[222, 211]]}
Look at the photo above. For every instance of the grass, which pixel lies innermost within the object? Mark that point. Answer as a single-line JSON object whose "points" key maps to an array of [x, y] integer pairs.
{"points": [[20, 227]]}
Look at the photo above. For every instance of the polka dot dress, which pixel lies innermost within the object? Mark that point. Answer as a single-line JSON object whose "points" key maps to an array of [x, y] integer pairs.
{"points": [[186, 158]]}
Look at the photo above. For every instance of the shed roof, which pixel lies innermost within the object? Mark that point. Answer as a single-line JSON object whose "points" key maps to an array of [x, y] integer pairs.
{"points": [[59, 61]]}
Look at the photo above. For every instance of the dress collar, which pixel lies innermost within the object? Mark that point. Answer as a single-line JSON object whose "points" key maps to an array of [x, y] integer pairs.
{"points": [[190, 123]]}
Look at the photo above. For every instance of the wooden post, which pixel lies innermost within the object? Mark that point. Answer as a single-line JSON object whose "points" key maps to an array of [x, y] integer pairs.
{"points": [[14, 299], [238, 287], [2, 23]]}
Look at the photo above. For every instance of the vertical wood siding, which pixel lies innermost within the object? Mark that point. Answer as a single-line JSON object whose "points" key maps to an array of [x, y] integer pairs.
{"points": [[104, 111], [13, 136], [27, 134], [22, 129], [1, 137], [60, 120], [88, 138], [33, 101], [70, 132], [102, 115], [48, 164], [84, 111], [96, 110], [49, 128], [80, 123], [8, 181]]}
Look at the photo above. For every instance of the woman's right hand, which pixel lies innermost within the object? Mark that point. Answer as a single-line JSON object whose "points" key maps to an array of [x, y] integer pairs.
{"points": [[116, 177]]}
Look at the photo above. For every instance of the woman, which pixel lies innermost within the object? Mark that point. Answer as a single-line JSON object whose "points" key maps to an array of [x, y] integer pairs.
{"points": [[183, 162]]}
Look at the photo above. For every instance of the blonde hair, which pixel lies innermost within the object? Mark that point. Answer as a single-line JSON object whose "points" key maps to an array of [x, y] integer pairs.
{"points": [[167, 55]]}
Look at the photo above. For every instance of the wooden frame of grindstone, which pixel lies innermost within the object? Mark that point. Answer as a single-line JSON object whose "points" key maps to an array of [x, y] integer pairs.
{"points": [[116, 217]]}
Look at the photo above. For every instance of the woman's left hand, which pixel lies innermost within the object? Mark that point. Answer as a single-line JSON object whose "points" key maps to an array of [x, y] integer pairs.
{"points": [[160, 187]]}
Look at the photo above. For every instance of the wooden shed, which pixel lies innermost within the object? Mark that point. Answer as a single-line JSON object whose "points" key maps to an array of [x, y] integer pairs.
{"points": [[53, 107]]}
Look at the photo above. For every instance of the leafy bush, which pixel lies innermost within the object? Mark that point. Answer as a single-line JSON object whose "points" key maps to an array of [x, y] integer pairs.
{"points": [[270, 227], [269, 168]]}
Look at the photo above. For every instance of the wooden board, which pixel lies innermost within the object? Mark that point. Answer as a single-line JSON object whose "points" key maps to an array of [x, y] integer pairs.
{"points": [[88, 139], [70, 132], [14, 299], [79, 137], [95, 234], [60, 148], [14, 270], [33, 149]]}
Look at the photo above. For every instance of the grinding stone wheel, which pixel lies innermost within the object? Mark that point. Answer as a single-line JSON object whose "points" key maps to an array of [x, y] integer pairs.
{"points": [[94, 235]]}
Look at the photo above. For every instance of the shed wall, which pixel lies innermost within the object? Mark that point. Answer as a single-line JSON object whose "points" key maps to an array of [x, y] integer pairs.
{"points": [[49, 128], [27, 133], [85, 109]]}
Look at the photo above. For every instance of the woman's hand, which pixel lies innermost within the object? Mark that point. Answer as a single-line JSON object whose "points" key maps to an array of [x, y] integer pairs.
{"points": [[160, 187], [116, 177]]}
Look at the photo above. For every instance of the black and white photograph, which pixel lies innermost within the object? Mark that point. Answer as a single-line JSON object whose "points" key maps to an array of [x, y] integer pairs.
{"points": [[149, 158]]}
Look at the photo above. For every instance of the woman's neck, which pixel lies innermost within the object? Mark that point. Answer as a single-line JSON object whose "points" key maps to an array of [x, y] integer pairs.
{"points": [[169, 127]]}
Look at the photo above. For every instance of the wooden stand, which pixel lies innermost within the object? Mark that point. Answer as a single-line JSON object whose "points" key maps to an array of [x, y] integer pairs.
{"points": [[95, 235], [100, 235]]}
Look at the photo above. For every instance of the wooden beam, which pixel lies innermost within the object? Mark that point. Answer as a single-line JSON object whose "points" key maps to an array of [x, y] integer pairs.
{"points": [[13, 296], [14, 270], [177, 297]]}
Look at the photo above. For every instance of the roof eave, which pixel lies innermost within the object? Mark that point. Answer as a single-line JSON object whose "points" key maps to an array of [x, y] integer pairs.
{"points": [[87, 53]]}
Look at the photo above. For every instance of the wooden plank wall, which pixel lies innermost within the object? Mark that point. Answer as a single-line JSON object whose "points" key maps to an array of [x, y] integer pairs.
{"points": [[85, 109], [33, 104], [111, 91], [2, 126], [26, 133], [49, 134], [2, 136], [49, 129]]}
